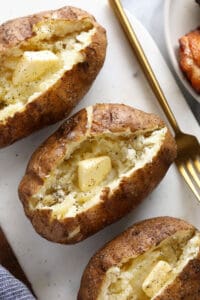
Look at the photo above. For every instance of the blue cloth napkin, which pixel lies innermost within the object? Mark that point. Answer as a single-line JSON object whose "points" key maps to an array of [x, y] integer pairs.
{"points": [[11, 288]]}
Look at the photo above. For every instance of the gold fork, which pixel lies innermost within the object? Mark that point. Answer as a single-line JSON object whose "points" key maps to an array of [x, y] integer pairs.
{"points": [[188, 157]]}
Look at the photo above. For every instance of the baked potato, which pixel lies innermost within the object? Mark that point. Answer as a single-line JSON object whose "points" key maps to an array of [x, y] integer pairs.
{"points": [[189, 57], [48, 63], [98, 166], [156, 259]]}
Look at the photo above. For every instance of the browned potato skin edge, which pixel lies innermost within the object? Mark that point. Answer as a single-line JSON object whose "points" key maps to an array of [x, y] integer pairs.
{"points": [[58, 101], [132, 190], [133, 242]]}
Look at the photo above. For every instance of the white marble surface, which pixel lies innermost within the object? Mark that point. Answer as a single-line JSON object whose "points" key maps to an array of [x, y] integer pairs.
{"points": [[151, 15]]}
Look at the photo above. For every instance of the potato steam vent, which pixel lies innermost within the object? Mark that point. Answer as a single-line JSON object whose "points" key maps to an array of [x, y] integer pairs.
{"points": [[74, 187]]}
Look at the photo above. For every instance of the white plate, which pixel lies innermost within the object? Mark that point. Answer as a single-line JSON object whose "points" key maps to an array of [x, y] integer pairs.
{"points": [[181, 16], [55, 270]]}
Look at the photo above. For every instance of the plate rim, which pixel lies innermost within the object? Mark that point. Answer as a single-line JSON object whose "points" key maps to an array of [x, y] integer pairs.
{"points": [[171, 53]]}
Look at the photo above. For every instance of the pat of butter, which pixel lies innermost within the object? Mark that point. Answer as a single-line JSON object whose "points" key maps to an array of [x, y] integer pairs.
{"points": [[157, 278], [33, 64], [93, 171]]}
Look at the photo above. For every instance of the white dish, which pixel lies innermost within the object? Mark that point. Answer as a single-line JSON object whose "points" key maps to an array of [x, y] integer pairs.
{"points": [[181, 17], [55, 270]]}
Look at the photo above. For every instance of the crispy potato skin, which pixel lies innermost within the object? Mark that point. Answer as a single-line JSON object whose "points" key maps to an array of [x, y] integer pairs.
{"points": [[189, 55], [113, 206], [133, 242], [58, 101]]}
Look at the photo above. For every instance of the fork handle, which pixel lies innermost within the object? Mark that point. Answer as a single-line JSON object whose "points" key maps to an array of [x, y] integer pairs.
{"points": [[136, 46]]}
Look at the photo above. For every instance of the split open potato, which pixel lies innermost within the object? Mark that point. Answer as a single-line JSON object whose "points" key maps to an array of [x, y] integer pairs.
{"points": [[98, 166], [48, 62], [157, 259]]}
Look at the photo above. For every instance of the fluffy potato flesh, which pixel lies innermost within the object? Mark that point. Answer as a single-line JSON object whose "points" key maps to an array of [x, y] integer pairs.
{"points": [[36, 64], [146, 276], [116, 156]]}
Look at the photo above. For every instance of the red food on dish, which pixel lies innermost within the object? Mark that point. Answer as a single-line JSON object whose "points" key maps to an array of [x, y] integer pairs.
{"points": [[189, 54]]}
